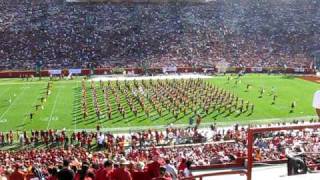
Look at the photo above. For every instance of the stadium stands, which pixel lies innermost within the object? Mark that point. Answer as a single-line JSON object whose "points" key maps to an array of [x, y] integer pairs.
{"points": [[243, 33], [59, 35]]}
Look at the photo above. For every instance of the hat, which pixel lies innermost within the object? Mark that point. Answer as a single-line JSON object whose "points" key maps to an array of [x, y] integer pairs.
{"points": [[123, 161]]}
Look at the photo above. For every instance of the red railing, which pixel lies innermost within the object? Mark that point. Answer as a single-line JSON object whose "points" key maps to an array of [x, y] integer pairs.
{"points": [[253, 131]]}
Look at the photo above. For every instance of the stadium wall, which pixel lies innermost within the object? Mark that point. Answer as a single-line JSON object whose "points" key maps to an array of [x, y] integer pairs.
{"points": [[105, 71]]}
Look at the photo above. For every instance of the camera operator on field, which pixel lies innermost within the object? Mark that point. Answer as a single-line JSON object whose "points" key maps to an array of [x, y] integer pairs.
{"points": [[296, 160]]}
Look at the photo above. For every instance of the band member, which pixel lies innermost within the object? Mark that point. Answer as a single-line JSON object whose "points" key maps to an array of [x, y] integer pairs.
{"points": [[184, 111], [109, 114], [261, 92], [134, 110], [98, 114], [198, 120], [147, 111], [274, 99], [175, 114], [241, 109], [37, 107], [85, 114], [252, 108], [31, 115], [123, 112], [248, 87], [293, 106]]}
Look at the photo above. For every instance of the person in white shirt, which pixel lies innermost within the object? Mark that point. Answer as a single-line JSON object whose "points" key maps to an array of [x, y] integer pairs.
{"points": [[170, 169], [101, 139], [187, 170], [316, 102]]}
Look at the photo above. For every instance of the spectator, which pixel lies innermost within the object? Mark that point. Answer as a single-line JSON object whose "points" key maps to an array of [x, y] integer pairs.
{"points": [[154, 166], [83, 174], [35, 174], [187, 170], [65, 173], [140, 172], [121, 173], [163, 175], [17, 174], [170, 169], [53, 171], [104, 172]]}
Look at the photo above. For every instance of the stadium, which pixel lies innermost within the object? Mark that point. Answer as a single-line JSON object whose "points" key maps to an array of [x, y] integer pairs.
{"points": [[159, 90]]}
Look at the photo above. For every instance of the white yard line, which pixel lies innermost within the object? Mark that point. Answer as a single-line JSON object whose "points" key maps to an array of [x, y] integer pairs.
{"points": [[54, 107], [15, 100]]}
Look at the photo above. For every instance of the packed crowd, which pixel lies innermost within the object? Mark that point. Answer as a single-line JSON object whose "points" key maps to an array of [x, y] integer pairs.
{"points": [[243, 33], [78, 164], [146, 152]]}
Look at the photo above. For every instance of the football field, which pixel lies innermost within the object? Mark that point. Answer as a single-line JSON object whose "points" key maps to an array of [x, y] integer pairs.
{"points": [[63, 106]]}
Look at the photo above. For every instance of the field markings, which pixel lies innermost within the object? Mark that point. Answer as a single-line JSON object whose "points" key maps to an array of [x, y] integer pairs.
{"points": [[34, 103], [54, 107], [15, 100]]}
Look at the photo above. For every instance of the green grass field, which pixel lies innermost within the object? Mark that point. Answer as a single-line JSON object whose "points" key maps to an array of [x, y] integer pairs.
{"points": [[63, 106]]}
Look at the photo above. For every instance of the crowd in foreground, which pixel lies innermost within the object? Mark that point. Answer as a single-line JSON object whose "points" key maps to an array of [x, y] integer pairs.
{"points": [[96, 167], [139, 155]]}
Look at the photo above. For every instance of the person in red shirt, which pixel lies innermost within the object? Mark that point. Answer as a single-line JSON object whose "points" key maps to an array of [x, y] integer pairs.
{"points": [[104, 172], [17, 174], [121, 173], [154, 167], [163, 175], [182, 164]]}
